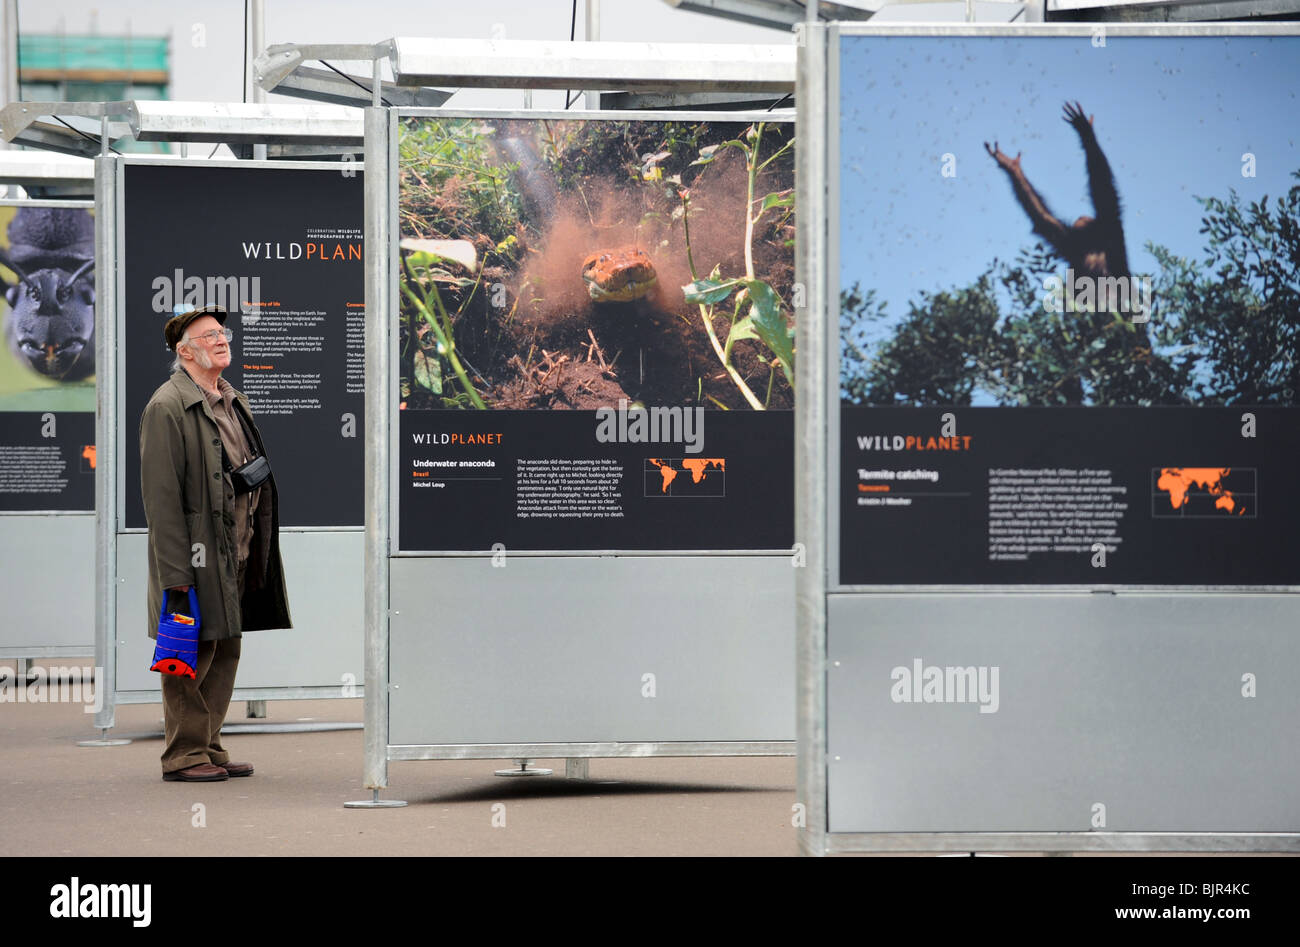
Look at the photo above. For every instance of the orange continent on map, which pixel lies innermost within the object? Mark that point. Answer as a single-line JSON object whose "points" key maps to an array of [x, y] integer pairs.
{"points": [[698, 465], [666, 471], [1178, 481]]}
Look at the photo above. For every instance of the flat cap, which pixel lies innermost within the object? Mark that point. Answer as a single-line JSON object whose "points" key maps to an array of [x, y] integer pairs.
{"points": [[176, 325]]}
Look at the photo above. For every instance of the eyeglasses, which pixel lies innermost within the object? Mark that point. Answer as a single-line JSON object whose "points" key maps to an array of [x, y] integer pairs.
{"points": [[210, 337]]}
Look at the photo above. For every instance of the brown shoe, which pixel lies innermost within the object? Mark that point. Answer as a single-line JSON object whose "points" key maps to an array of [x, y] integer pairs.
{"points": [[198, 773], [237, 769]]}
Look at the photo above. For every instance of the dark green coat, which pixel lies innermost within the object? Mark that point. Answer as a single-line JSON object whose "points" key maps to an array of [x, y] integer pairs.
{"points": [[186, 502]]}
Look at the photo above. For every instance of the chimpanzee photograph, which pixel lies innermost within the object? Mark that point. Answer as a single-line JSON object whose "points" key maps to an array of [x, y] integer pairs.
{"points": [[47, 279], [1179, 285], [1092, 245]]}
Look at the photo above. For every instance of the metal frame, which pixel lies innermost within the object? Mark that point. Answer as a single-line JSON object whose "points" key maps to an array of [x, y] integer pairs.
{"points": [[119, 253], [382, 462], [108, 253], [18, 123], [74, 203], [280, 69], [58, 174], [245, 123], [419, 63], [1176, 9], [551, 751], [817, 472], [380, 252], [1116, 30], [246, 693], [539, 64], [110, 427], [392, 275], [39, 169], [289, 129]]}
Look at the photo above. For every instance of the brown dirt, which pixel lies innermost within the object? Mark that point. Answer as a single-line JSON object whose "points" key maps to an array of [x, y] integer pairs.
{"points": [[656, 351]]}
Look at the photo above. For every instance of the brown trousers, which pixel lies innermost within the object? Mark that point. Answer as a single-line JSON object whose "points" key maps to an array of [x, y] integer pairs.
{"points": [[194, 710]]}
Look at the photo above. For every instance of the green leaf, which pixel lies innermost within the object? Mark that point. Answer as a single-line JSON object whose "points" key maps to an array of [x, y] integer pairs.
{"points": [[707, 154], [777, 199], [706, 292], [428, 373], [742, 329], [769, 324], [710, 152]]}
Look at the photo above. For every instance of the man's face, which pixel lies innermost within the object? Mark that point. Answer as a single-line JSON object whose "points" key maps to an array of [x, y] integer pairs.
{"points": [[209, 351]]}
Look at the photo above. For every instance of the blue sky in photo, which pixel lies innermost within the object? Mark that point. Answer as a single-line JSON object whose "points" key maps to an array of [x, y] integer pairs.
{"points": [[1173, 114]]}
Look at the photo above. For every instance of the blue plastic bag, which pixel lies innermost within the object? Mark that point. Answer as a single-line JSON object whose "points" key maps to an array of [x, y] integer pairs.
{"points": [[177, 649]]}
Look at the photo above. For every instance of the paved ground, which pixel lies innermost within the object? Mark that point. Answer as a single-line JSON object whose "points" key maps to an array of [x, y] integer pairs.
{"points": [[70, 800]]}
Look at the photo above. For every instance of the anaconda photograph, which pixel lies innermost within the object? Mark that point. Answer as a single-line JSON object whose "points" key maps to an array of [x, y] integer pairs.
{"points": [[576, 263]]}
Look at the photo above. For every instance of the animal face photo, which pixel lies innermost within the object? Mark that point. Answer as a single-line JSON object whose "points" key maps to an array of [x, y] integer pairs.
{"points": [[47, 279]]}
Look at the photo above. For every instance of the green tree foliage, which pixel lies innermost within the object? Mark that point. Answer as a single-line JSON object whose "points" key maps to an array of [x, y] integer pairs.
{"points": [[1238, 315], [1221, 333]]}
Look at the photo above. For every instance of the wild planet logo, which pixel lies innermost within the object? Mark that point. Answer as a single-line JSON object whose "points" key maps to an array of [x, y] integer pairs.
{"points": [[915, 442], [321, 252], [931, 684]]}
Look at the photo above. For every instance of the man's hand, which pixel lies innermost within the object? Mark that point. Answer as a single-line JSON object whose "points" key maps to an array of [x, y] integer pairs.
{"points": [[178, 600]]}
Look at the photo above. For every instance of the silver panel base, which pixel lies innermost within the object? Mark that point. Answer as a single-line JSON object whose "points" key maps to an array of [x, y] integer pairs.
{"points": [[248, 693], [320, 657], [374, 802], [1109, 842], [590, 649], [525, 770], [31, 546], [1085, 714], [552, 751]]}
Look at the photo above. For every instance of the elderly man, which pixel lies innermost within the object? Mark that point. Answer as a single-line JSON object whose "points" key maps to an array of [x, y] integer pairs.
{"points": [[213, 525]]}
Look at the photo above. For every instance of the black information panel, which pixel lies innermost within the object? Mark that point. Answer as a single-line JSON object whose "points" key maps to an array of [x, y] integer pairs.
{"points": [[1152, 496], [530, 481], [47, 358], [283, 248], [595, 336], [1069, 327], [47, 460]]}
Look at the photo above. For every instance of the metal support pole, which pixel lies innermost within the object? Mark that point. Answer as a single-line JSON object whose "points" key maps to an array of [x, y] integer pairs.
{"points": [[106, 460], [577, 768], [255, 709], [380, 242], [255, 30], [810, 435], [591, 97], [9, 74]]}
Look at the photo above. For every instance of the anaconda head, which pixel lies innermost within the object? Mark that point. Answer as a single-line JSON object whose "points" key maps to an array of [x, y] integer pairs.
{"points": [[620, 275]]}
